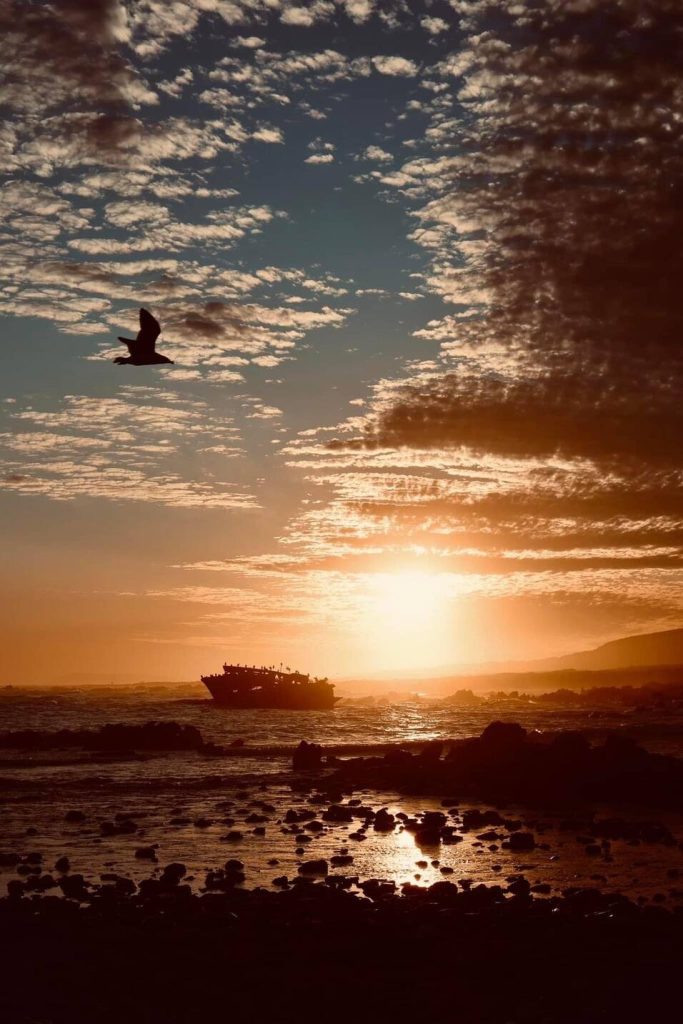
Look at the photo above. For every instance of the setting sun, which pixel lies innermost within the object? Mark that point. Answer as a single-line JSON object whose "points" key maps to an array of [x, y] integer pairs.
{"points": [[409, 618]]}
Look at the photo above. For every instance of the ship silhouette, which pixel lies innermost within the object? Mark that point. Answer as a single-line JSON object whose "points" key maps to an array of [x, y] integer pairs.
{"points": [[244, 686]]}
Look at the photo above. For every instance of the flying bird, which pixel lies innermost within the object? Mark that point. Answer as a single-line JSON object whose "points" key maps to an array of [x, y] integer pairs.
{"points": [[142, 351]]}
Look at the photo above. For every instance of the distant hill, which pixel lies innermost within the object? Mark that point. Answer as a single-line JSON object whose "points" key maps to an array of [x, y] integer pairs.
{"points": [[632, 660], [523, 682], [663, 648]]}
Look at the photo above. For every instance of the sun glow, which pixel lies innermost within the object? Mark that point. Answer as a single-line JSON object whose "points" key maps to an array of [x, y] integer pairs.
{"points": [[410, 619]]}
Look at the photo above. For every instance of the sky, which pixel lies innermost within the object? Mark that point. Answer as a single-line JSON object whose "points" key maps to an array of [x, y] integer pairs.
{"points": [[418, 265]]}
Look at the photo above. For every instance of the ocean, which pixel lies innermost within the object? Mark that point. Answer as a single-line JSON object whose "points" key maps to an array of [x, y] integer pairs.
{"points": [[185, 805]]}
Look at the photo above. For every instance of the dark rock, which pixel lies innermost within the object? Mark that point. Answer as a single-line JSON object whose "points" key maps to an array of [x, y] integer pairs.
{"points": [[307, 757], [378, 889], [428, 837], [519, 841], [443, 892], [430, 754], [146, 853], [74, 887], [172, 873], [398, 759], [74, 817], [121, 827], [313, 867], [475, 818], [519, 887], [384, 821], [503, 735], [338, 813], [340, 882], [113, 737]]}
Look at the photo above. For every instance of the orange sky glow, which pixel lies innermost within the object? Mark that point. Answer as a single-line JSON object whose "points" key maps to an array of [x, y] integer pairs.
{"points": [[420, 283]]}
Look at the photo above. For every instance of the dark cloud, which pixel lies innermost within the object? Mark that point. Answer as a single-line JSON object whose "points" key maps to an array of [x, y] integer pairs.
{"points": [[66, 52], [564, 214], [615, 414]]}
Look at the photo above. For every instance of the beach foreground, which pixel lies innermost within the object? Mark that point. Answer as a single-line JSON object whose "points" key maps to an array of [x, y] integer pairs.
{"points": [[506, 878], [317, 951]]}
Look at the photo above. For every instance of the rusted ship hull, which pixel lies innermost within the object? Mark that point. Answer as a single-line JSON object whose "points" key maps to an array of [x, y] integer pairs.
{"points": [[306, 696]]}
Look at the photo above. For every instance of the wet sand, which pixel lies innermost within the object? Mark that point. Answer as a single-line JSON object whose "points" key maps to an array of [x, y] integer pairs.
{"points": [[249, 822]]}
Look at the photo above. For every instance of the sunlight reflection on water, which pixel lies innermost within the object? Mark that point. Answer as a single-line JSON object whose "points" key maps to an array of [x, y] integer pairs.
{"points": [[191, 786]]}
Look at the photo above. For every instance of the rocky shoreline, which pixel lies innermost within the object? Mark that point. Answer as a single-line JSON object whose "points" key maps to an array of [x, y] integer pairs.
{"points": [[267, 907], [506, 763], [317, 950]]}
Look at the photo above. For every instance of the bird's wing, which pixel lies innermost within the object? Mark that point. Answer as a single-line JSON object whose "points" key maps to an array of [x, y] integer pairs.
{"points": [[150, 329], [130, 342]]}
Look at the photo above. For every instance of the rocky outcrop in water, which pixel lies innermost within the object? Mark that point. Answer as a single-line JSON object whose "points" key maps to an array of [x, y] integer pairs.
{"points": [[118, 736], [505, 763], [307, 757]]}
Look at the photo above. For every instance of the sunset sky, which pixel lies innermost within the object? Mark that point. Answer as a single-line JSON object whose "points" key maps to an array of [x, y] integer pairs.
{"points": [[419, 266]]}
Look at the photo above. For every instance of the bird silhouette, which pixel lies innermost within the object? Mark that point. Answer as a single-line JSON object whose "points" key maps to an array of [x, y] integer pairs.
{"points": [[142, 351]]}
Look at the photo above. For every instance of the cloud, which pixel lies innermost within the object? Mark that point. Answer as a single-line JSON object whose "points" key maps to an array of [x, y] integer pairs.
{"points": [[359, 10], [267, 134], [293, 14], [555, 230], [215, 336], [65, 53], [434, 26], [319, 158], [249, 42], [535, 451], [377, 153], [395, 66], [122, 449], [531, 443]]}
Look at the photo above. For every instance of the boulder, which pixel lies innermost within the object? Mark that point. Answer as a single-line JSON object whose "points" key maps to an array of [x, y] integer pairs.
{"points": [[146, 853], [521, 841], [314, 867], [341, 860], [384, 821], [503, 736], [307, 757], [74, 817], [172, 873], [337, 812]]}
